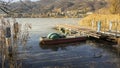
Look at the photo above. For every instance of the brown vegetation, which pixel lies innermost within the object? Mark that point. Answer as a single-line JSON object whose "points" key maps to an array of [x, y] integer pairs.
{"points": [[10, 40], [105, 21], [114, 6], [47, 8], [109, 13]]}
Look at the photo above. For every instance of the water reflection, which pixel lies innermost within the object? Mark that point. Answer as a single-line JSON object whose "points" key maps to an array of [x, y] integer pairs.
{"points": [[109, 46], [60, 46], [89, 54], [53, 47], [95, 44]]}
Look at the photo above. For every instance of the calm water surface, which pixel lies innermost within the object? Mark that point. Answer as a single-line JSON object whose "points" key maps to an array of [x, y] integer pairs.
{"points": [[87, 54]]}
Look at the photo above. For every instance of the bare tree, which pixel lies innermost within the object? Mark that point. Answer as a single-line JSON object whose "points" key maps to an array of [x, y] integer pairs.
{"points": [[5, 6]]}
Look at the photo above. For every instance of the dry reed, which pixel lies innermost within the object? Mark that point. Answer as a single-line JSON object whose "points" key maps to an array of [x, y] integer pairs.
{"points": [[9, 51], [105, 22]]}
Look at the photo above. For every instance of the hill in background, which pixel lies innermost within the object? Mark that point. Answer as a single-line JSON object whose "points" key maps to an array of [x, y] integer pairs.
{"points": [[56, 8]]}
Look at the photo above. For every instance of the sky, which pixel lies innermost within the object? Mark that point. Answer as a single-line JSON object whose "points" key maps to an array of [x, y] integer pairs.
{"points": [[18, 0]]}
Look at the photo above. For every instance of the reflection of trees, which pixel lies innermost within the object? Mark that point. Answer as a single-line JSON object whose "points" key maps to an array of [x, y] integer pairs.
{"points": [[9, 45], [60, 46], [25, 34], [53, 47], [106, 45]]}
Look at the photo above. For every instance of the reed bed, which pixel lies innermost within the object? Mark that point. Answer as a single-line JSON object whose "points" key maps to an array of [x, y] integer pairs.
{"points": [[91, 21], [10, 40]]}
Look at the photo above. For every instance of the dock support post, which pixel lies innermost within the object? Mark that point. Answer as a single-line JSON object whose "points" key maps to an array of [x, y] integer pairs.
{"points": [[66, 31], [70, 32], [118, 41], [110, 26], [118, 46], [59, 28], [93, 24], [99, 26], [116, 27]]}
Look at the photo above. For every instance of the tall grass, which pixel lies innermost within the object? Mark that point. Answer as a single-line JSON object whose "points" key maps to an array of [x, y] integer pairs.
{"points": [[105, 21], [9, 45]]}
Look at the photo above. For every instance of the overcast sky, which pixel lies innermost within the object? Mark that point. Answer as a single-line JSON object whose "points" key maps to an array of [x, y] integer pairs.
{"points": [[18, 0]]}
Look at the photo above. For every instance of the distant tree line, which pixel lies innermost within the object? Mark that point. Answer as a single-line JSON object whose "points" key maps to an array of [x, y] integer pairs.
{"points": [[48, 6]]}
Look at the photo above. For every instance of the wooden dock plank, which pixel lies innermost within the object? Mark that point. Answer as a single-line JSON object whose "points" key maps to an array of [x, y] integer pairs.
{"points": [[89, 32]]}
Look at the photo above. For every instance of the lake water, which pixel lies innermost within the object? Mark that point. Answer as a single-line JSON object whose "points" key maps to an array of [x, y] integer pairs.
{"points": [[87, 54]]}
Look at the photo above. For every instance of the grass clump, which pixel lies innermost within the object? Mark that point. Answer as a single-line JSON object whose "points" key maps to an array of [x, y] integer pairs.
{"points": [[91, 21]]}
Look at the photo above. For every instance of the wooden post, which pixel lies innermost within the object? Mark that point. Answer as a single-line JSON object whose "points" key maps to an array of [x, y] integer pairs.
{"points": [[118, 41], [110, 26], [104, 25], [59, 28], [70, 31], [118, 45], [93, 24], [116, 27], [66, 31], [99, 26]]}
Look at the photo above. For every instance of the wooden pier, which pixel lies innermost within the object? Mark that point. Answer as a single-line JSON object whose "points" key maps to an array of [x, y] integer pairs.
{"points": [[75, 29]]}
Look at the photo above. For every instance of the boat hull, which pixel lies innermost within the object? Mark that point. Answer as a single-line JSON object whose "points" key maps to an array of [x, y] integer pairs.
{"points": [[61, 40]]}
